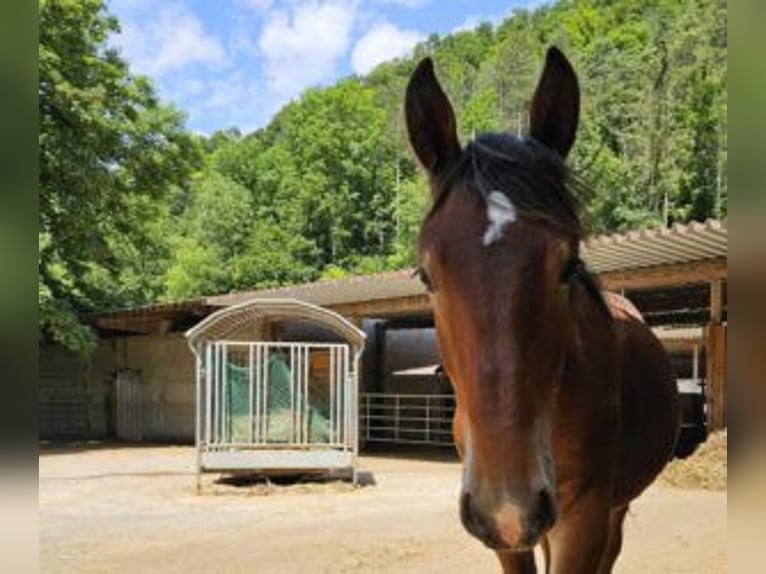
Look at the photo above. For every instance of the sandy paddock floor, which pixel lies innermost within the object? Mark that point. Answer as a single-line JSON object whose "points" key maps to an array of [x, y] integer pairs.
{"points": [[134, 509]]}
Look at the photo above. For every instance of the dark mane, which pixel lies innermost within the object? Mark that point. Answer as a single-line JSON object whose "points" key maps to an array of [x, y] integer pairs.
{"points": [[535, 179]]}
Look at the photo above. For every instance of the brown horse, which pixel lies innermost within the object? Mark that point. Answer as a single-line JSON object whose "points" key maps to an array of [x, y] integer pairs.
{"points": [[566, 405]]}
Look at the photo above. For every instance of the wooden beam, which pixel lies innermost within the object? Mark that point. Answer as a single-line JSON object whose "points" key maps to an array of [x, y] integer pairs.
{"points": [[424, 321], [677, 346], [666, 275], [139, 326], [699, 272], [384, 307], [145, 322]]}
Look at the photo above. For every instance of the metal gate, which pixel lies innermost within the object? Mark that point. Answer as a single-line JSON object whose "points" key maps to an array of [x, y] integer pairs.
{"points": [[407, 418]]}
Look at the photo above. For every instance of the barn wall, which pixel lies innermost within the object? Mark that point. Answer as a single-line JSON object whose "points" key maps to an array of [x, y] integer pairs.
{"points": [[165, 368], [77, 396], [62, 394]]}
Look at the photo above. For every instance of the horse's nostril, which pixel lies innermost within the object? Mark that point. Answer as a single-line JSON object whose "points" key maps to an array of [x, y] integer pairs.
{"points": [[469, 515], [466, 511], [545, 512]]}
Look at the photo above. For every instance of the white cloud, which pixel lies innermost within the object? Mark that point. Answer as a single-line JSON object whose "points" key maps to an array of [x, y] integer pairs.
{"points": [[382, 42], [172, 40], [469, 23], [303, 47], [233, 98], [407, 3]]}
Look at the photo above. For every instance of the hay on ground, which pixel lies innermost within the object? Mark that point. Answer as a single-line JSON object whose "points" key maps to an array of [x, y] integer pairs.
{"points": [[705, 469]]}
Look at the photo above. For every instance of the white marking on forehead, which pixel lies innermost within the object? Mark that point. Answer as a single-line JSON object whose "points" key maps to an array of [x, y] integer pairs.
{"points": [[500, 212]]}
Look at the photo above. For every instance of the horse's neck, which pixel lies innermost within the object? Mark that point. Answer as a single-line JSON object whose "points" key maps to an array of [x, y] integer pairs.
{"points": [[593, 351]]}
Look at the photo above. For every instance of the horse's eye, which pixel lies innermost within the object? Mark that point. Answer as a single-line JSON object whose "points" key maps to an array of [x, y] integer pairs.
{"points": [[421, 274], [570, 269]]}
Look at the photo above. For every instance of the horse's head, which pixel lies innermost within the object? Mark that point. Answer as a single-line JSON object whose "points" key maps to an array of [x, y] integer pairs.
{"points": [[497, 251]]}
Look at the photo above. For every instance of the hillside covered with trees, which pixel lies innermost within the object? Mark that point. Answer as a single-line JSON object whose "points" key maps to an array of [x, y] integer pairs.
{"points": [[134, 209]]}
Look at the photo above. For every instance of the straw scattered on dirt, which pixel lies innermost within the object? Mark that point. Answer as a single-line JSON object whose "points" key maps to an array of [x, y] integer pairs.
{"points": [[255, 485], [705, 469]]}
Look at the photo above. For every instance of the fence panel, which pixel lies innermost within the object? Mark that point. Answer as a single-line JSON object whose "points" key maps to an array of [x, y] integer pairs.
{"points": [[407, 418]]}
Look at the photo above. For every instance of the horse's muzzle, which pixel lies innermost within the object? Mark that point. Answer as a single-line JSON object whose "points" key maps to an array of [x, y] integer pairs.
{"points": [[509, 527]]}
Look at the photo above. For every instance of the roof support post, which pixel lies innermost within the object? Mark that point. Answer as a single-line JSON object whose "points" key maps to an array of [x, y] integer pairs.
{"points": [[716, 300], [716, 359]]}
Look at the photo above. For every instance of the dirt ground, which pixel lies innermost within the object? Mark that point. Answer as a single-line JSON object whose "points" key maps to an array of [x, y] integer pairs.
{"points": [[134, 509]]}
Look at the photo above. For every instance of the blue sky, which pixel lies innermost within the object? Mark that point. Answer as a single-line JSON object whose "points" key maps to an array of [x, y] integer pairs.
{"points": [[237, 62]]}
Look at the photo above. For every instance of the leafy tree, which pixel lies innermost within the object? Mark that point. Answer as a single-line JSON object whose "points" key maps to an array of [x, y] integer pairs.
{"points": [[109, 152], [329, 187], [323, 170], [220, 246], [214, 229]]}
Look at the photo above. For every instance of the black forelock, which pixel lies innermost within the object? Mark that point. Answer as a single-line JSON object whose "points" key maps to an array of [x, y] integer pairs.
{"points": [[534, 178]]}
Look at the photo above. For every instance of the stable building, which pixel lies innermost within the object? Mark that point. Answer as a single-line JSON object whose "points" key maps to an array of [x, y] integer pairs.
{"points": [[139, 384]]}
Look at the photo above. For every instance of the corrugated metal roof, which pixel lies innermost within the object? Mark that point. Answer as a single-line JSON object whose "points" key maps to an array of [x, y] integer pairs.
{"points": [[200, 304], [387, 285], [604, 253], [646, 248]]}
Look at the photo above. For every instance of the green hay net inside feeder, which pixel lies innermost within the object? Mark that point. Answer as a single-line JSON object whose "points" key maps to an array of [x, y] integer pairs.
{"points": [[280, 424]]}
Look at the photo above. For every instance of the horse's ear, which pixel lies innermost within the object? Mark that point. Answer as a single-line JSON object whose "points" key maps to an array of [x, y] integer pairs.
{"points": [[556, 104], [430, 120]]}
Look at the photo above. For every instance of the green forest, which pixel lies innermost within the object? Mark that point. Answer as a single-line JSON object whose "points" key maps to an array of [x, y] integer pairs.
{"points": [[135, 209]]}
